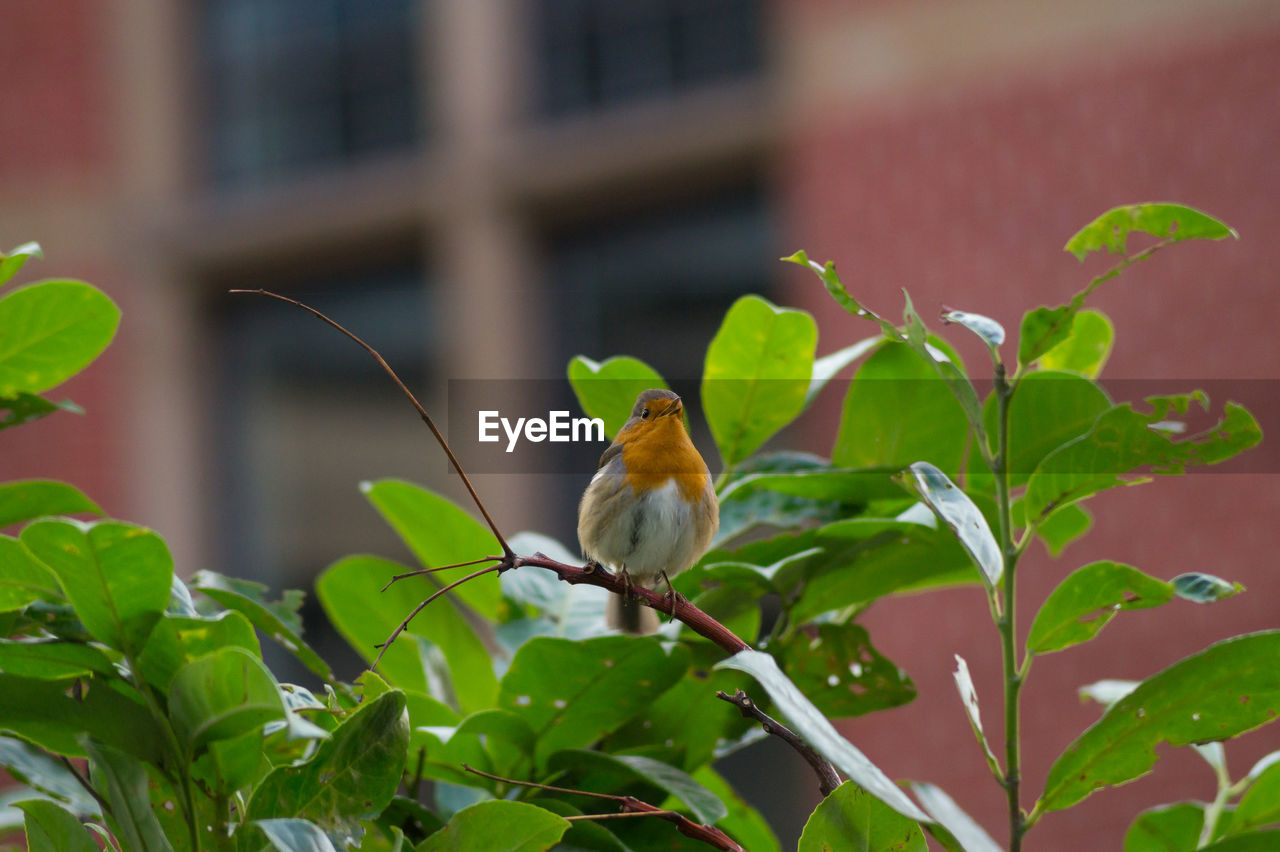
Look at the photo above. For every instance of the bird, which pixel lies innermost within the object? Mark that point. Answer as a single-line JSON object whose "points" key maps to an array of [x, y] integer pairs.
{"points": [[651, 510]]}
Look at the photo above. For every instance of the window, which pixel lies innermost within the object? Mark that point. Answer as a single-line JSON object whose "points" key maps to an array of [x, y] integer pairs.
{"points": [[601, 53], [294, 85], [289, 502]]}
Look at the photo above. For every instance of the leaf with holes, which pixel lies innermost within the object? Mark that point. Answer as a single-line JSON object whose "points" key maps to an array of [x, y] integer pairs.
{"points": [[1227, 689], [842, 674], [1087, 599], [572, 693], [1123, 441], [1177, 222], [757, 374]]}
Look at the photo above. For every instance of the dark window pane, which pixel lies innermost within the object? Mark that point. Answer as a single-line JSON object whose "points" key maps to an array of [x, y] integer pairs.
{"points": [[296, 85], [595, 54]]}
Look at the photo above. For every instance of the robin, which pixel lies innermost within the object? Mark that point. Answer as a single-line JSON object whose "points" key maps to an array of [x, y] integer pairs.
{"points": [[650, 510]]}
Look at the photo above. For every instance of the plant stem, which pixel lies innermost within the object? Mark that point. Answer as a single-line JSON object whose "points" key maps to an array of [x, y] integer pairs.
{"points": [[1006, 622]]}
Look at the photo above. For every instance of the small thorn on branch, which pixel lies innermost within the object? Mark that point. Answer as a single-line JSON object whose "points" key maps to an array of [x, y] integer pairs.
{"points": [[828, 778]]}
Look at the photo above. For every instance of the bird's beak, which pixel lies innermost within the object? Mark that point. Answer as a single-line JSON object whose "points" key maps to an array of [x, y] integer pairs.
{"points": [[675, 407]]}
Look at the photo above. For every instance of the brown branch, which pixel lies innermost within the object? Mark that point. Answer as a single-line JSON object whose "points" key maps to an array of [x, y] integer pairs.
{"points": [[828, 779], [422, 412], [420, 607], [631, 806]]}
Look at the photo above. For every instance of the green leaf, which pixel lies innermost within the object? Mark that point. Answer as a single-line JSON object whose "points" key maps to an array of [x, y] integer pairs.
{"points": [[51, 660], [574, 693], [1123, 440], [42, 712], [1087, 599], [757, 374], [117, 575], [988, 330], [862, 559], [841, 673], [1085, 348], [1168, 828], [29, 765], [52, 331], [749, 499], [1203, 588], [23, 580], [1111, 230], [826, 367], [13, 261], [743, 823], [1064, 526], [278, 621], [1260, 805], [27, 407], [350, 592], [827, 274], [898, 411], [963, 830], [124, 779], [809, 723], [1227, 689], [954, 508], [294, 835], [1043, 329], [498, 826], [701, 802], [51, 828], [1257, 841], [27, 499], [352, 776], [221, 696], [1048, 409], [439, 533], [178, 640], [851, 819], [608, 389], [945, 363]]}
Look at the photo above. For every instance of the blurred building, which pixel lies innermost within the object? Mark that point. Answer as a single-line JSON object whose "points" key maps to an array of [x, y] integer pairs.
{"points": [[483, 189]]}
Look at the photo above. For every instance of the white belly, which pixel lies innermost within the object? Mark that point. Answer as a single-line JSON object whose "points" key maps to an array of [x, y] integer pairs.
{"points": [[655, 534]]}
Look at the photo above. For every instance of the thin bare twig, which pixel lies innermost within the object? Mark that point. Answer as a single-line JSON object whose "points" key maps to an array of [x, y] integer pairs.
{"points": [[631, 806], [420, 607], [591, 574], [422, 412], [420, 571], [828, 779]]}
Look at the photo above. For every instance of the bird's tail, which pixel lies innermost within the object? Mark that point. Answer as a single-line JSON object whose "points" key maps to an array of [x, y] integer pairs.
{"points": [[630, 616]]}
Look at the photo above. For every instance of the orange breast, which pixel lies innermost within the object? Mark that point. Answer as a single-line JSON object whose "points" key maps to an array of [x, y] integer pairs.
{"points": [[654, 453]]}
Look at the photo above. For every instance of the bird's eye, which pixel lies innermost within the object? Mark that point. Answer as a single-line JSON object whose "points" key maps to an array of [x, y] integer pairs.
{"points": [[644, 415]]}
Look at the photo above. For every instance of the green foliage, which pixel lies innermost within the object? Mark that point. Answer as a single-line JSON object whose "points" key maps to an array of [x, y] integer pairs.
{"points": [[192, 743], [850, 818]]}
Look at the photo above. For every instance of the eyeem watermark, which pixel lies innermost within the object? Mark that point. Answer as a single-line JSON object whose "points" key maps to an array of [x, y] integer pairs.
{"points": [[558, 428]]}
